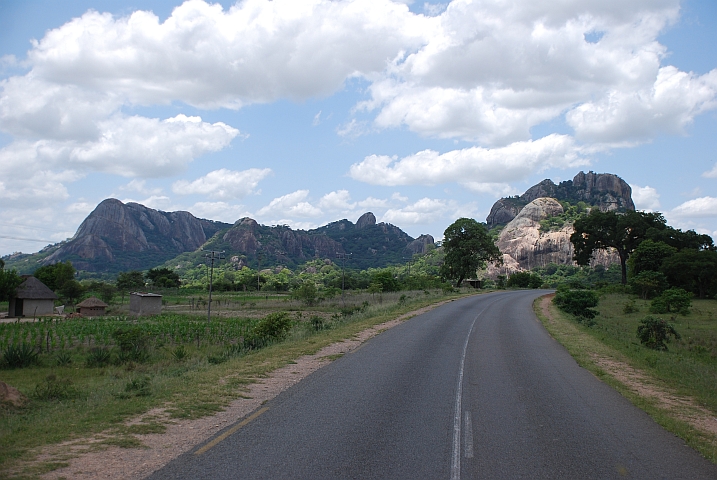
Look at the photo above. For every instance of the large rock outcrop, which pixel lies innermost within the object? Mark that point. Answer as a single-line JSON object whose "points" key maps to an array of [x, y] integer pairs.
{"points": [[606, 191], [123, 235], [525, 247]]}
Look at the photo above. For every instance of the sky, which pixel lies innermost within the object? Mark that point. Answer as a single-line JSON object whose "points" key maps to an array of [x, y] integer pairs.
{"points": [[303, 112]]}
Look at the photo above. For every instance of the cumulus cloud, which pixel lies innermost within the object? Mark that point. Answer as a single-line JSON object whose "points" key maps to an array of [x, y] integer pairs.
{"points": [[223, 183], [471, 166], [422, 212], [696, 208], [645, 198], [221, 211], [290, 205], [339, 200]]}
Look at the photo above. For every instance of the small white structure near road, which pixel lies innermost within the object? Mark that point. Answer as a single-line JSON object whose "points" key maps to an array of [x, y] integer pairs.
{"points": [[145, 303]]}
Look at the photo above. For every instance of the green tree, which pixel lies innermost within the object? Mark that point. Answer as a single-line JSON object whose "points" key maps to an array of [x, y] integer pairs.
{"points": [[693, 270], [386, 280], [468, 247], [672, 300], [55, 275], [647, 283], [653, 332], [648, 256], [525, 280], [307, 293], [71, 290], [128, 281], [163, 277], [9, 281], [605, 230]]}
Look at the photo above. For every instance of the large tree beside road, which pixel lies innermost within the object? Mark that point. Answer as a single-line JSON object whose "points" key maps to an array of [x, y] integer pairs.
{"points": [[468, 247]]}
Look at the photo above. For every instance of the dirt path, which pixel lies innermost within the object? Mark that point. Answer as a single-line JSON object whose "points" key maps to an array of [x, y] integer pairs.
{"points": [[90, 459], [643, 385]]}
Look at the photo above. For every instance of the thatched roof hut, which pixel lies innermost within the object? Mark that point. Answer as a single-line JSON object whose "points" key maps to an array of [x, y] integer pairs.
{"points": [[32, 298], [92, 307]]}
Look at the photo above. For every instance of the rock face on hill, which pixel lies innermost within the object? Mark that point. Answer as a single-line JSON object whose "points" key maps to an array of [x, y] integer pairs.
{"points": [[606, 191], [524, 246], [127, 236]]}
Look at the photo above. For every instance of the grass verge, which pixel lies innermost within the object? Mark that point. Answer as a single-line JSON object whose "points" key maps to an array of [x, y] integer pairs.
{"points": [[676, 388]]}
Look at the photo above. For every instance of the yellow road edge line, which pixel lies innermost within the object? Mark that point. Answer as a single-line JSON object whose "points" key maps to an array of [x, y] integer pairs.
{"points": [[230, 431]]}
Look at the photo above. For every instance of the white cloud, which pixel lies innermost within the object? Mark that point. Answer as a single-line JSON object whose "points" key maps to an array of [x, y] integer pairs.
{"points": [[423, 212], [140, 186], [290, 205], [339, 200], [470, 166], [712, 173], [223, 183], [696, 208], [645, 198], [158, 202], [221, 211], [371, 202]]}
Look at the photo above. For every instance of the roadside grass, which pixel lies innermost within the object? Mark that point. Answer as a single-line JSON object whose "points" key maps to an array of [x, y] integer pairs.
{"points": [[101, 400], [677, 388]]}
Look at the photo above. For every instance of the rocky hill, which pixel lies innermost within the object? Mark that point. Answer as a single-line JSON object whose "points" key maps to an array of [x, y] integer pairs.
{"points": [[367, 244], [117, 237], [525, 242], [606, 191]]}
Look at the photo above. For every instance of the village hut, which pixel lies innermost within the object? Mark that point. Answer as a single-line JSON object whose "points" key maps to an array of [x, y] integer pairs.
{"points": [[92, 307], [32, 298], [145, 303]]}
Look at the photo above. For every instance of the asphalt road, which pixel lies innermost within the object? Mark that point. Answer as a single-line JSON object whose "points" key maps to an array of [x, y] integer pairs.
{"points": [[473, 389]]}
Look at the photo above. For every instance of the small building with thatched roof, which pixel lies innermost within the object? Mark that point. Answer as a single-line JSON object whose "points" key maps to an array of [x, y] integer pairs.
{"points": [[32, 298], [141, 303], [92, 307]]}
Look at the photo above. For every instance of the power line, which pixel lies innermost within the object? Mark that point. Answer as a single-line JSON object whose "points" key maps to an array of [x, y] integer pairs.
{"points": [[28, 239]]}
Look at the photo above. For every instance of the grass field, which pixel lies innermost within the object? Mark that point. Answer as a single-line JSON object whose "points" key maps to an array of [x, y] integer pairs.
{"points": [[72, 398], [677, 387]]}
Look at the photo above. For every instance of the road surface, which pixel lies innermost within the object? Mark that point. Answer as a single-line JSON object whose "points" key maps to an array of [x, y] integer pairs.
{"points": [[473, 389]]}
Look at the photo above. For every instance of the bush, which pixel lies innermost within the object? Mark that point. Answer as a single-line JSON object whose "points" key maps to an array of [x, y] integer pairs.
{"points": [[54, 389], [673, 300], [307, 293], [648, 283], [579, 303], [20, 356], [630, 307], [63, 358], [653, 332], [274, 326], [525, 280], [98, 357]]}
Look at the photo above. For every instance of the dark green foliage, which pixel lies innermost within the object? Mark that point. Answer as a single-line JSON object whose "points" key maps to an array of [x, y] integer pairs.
{"points": [[9, 281], [274, 326], [604, 230], [63, 358], [20, 356], [468, 247], [693, 270], [97, 357], [648, 256], [673, 300], [130, 338], [653, 332], [648, 283], [53, 388], [130, 281], [630, 307], [580, 303], [525, 280], [317, 323], [569, 215], [163, 277], [386, 280], [56, 275], [179, 352], [71, 290]]}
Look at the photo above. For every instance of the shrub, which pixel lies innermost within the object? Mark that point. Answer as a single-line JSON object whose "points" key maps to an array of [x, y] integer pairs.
{"points": [[653, 332], [673, 300], [63, 358], [139, 387], [98, 357], [630, 307], [579, 303], [179, 352], [525, 280], [20, 356], [53, 388], [307, 293], [317, 323], [648, 283], [274, 326]]}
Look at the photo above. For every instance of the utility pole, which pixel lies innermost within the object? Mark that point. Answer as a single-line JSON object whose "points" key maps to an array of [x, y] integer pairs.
{"points": [[211, 256], [258, 272], [343, 256]]}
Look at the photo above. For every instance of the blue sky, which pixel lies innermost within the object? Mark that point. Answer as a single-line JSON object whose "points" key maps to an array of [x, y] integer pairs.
{"points": [[305, 112]]}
